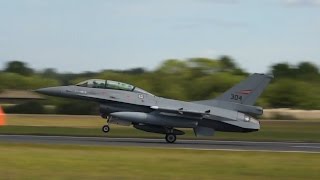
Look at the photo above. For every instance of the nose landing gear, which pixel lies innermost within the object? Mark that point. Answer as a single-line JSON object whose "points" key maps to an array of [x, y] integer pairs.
{"points": [[106, 127]]}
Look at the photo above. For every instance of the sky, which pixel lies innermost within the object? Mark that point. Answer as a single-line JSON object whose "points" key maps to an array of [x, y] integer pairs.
{"points": [[92, 35]]}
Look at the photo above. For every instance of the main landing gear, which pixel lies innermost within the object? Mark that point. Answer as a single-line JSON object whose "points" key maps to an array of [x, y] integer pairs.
{"points": [[171, 138], [170, 135]]}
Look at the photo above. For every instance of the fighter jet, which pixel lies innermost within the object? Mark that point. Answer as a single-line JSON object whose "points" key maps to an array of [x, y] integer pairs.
{"points": [[125, 104]]}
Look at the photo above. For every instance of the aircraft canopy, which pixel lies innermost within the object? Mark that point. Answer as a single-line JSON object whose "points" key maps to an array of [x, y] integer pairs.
{"points": [[109, 84]]}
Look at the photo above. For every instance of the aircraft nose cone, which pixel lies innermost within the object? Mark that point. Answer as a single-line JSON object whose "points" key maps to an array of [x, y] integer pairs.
{"points": [[49, 91]]}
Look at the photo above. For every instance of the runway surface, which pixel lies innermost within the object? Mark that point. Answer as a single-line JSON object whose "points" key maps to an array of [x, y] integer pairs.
{"points": [[160, 143]]}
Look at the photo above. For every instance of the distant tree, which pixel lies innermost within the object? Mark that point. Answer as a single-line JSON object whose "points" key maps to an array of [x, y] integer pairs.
{"points": [[201, 67], [172, 66], [283, 70], [303, 71], [17, 81], [308, 71], [135, 71], [227, 63], [31, 107], [19, 68], [50, 73], [87, 74], [308, 68], [76, 107], [288, 93], [66, 79]]}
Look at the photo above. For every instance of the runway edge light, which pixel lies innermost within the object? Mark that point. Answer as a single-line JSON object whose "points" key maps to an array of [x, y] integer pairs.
{"points": [[2, 117]]}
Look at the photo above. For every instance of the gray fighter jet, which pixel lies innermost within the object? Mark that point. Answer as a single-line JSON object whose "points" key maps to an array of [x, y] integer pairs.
{"points": [[125, 104]]}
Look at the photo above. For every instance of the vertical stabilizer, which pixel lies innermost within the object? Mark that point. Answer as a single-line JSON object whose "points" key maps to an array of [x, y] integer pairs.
{"points": [[247, 91]]}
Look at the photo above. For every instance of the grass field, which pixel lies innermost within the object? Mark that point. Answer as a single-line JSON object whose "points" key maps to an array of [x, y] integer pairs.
{"points": [[32, 161], [295, 130]]}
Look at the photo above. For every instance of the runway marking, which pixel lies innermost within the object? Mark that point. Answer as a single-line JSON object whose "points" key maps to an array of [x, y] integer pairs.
{"points": [[239, 150], [316, 147]]}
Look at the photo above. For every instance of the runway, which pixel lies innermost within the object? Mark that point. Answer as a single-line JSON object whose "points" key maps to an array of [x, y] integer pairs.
{"points": [[160, 143]]}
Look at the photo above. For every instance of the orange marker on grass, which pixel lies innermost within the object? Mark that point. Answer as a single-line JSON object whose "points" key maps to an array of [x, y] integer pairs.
{"points": [[2, 117]]}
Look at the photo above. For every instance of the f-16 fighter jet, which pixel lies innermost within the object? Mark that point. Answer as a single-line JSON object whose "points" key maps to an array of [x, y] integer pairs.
{"points": [[125, 104]]}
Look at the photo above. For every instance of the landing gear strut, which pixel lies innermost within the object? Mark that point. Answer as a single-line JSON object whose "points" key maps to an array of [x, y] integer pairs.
{"points": [[106, 127], [171, 138]]}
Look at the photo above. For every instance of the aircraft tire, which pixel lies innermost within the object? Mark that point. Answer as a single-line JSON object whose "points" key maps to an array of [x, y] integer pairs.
{"points": [[105, 128], [171, 138]]}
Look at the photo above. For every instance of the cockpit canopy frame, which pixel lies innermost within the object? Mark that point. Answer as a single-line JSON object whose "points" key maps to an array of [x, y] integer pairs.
{"points": [[109, 84]]}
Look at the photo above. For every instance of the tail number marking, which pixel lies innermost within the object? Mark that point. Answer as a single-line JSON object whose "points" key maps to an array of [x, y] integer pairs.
{"points": [[236, 97]]}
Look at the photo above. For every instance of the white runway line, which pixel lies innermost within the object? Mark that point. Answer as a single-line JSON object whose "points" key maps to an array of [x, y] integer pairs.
{"points": [[236, 150], [315, 147]]}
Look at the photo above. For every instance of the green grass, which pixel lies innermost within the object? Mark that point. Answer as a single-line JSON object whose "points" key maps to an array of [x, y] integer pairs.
{"points": [[32, 161], [80, 121], [91, 126]]}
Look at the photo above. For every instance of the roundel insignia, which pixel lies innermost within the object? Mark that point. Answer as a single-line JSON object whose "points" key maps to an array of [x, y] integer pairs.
{"points": [[140, 96], [246, 91]]}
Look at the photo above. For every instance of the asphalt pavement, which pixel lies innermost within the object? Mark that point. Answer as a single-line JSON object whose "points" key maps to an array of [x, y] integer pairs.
{"points": [[160, 143]]}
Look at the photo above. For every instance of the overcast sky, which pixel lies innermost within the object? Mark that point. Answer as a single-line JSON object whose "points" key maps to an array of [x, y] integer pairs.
{"points": [[90, 35]]}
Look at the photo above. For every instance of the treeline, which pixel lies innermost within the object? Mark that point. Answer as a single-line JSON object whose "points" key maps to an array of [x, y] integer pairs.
{"points": [[294, 86]]}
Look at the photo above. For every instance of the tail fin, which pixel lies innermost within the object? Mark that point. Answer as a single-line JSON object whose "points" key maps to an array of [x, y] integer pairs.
{"points": [[248, 90]]}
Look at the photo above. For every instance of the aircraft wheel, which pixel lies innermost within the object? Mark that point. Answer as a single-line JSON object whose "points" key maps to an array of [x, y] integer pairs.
{"points": [[171, 138], [105, 128]]}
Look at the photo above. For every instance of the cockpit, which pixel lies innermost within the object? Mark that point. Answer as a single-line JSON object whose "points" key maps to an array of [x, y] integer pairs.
{"points": [[108, 84]]}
